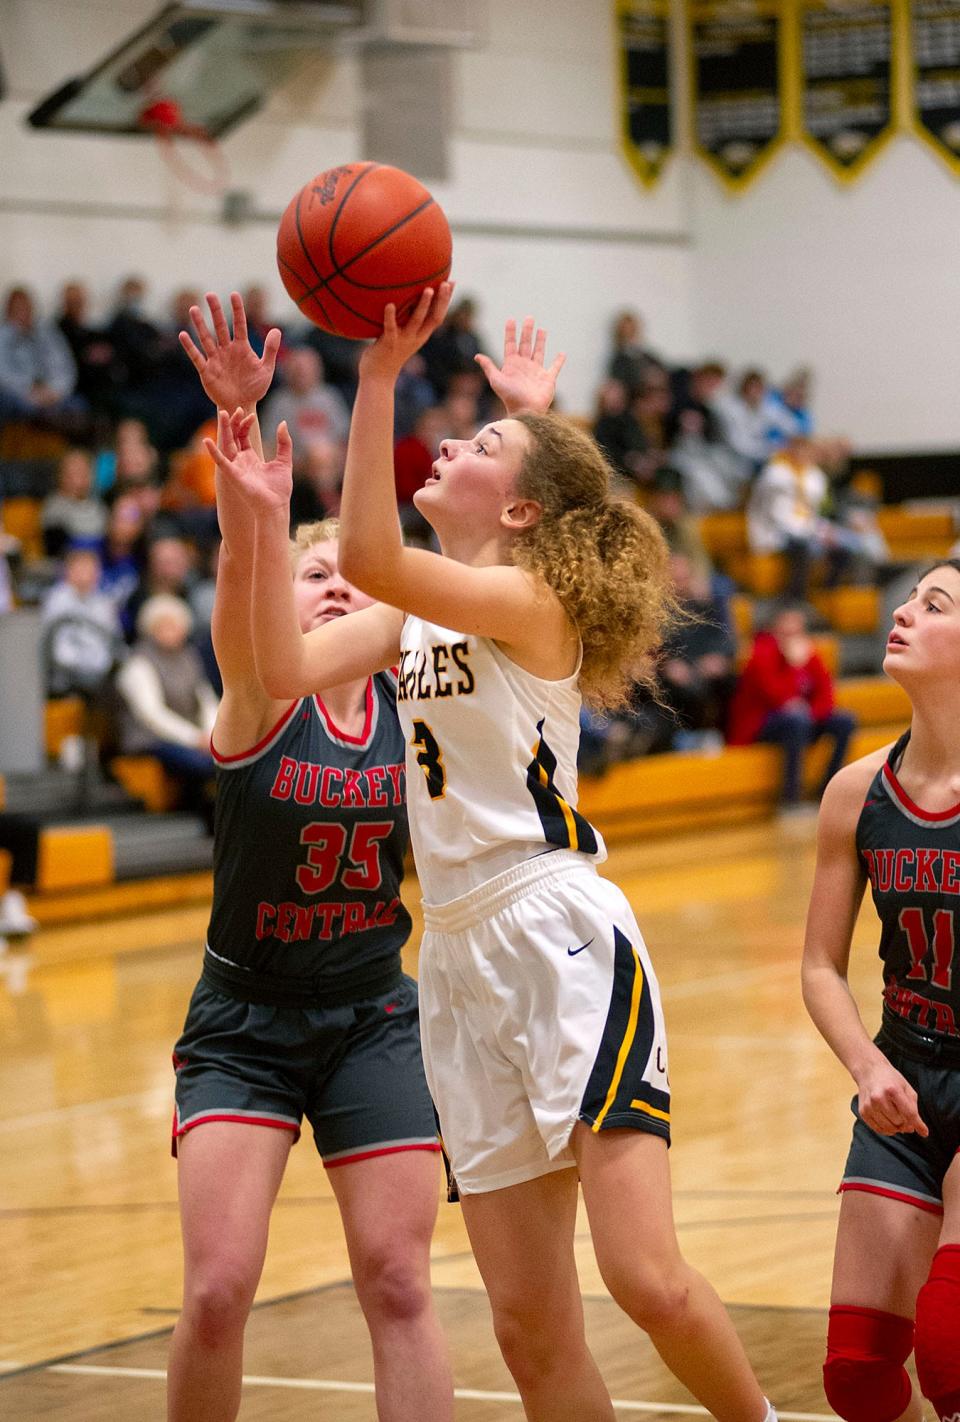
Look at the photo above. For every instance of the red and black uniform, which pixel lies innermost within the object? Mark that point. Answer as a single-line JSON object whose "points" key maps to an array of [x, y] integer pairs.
{"points": [[911, 857], [302, 1007]]}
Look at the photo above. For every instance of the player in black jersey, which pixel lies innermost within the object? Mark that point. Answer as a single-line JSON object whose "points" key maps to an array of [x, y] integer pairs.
{"points": [[893, 819], [302, 1008]]}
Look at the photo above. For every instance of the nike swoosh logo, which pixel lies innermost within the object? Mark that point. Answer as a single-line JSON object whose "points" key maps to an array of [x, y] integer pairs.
{"points": [[572, 952]]}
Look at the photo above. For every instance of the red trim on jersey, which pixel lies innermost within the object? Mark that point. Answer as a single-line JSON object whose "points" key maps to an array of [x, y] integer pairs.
{"points": [[335, 730], [904, 798], [261, 744], [927, 1205], [385, 1150]]}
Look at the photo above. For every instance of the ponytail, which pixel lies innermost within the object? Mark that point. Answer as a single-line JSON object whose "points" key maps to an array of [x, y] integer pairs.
{"points": [[604, 558]]}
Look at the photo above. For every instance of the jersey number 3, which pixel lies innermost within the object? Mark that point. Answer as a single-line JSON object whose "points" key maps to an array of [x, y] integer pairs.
{"points": [[430, 759]]}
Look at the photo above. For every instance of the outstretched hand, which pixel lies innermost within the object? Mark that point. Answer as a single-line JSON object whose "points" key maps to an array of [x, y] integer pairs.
{"points": [[523, 382], [230, 371], [264, 484], [390, 352]]}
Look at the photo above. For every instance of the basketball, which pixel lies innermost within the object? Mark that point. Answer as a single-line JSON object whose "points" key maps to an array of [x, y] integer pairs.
{"points": [[354, 239]]}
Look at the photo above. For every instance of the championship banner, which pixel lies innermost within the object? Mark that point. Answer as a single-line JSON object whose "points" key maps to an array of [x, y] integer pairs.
{"points": [[845, 82], [736, 64], [935, 76], [643, 45]]}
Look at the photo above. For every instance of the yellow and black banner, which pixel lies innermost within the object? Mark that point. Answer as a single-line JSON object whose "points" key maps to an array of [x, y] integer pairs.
{"points": [[643, 49], [845, 80], [736, 75], [935, 76]]}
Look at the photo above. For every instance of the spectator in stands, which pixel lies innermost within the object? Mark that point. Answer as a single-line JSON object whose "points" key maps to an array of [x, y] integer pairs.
{"points": [[98, 370], [81, 630], [339, 357], [256, 303], [785, 515], [169, 706], [630, 362], [704, 385], [318, 419], [134, 337], [787, 410], [123, 557], [451, 349], [414, 394], [714, 476], [743, 420], [413, 459], [460, 415], [785, 696], [651, 408], [175, 405], [170, 571], [667, 504], [37, 371], [697, 674], [72, 514], [620, 434]]}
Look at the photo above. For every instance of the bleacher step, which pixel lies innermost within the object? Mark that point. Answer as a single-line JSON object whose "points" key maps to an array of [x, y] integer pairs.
{"points": [[56, 791]]}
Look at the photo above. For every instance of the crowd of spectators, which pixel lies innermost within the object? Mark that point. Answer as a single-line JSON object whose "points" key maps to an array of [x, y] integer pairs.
{"points": [[129, 526]]}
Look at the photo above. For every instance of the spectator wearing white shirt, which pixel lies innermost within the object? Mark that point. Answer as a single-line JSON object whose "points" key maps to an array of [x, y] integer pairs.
{"points": [[785, 515], [169, 706]]}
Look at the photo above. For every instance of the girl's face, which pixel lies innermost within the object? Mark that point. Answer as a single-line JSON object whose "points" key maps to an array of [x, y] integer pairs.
{"points": [[320, 593], [473, 480], [925, 641]]}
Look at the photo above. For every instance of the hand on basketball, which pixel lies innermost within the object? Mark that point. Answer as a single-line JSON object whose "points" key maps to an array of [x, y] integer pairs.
{"points": [[523, 382], [265, 484], [230, 371], [887, 1102], [391, 351]]}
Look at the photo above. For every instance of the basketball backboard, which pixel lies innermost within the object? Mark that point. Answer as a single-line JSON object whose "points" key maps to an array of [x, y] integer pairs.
{"points": [[216, 60]]}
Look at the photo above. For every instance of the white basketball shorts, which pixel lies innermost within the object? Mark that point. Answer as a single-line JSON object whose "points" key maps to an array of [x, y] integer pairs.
{"points": [[538, 1009]]}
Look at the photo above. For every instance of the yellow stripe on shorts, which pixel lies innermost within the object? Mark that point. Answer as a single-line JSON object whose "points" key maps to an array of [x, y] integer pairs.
{"points": [[627, 1042], [650, 1110]]}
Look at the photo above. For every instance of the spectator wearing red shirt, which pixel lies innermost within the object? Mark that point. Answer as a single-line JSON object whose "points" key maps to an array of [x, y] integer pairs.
{"points": [[785, 695]]}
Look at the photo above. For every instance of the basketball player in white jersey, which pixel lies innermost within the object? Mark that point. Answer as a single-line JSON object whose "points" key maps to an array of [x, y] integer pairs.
{"points": [[542, 1029]]}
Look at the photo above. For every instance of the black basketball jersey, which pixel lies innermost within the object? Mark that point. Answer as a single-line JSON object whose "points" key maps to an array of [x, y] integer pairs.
{"points": [[311, 831], [912, 859]]}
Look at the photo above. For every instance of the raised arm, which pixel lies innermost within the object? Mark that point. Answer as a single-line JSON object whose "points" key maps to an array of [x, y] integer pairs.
{"points": [[234, 377], [291, 663], [887, 1101], [496, 601]]}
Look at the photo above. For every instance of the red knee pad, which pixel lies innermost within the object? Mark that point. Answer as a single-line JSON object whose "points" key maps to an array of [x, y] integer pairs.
{"points": [[864, 1377], [938, 1334]]}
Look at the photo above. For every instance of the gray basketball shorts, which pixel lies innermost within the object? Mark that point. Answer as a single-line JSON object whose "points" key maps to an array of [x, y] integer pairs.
{"points": [[909, 1167], [355, 1072]]}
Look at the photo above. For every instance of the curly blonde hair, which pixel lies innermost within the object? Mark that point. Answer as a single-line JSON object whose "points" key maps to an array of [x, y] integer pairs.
{"points": [[606, 560], [305, 535]]}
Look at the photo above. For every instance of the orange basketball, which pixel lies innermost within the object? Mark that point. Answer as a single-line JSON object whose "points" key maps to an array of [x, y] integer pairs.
{"points": [[356, 238]]}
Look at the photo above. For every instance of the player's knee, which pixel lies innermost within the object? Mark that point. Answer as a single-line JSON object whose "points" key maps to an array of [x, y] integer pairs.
{"points": [[658, 1300], [392, 1288], [938, 1334], [217, 1305], [864, 1377], [533, 1345]]}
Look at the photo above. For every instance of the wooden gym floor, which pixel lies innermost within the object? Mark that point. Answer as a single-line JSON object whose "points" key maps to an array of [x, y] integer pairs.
{"points": [[88, 1218]]}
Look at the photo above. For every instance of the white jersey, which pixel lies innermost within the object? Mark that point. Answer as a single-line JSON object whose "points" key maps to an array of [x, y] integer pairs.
{"points": [[491, 760]]}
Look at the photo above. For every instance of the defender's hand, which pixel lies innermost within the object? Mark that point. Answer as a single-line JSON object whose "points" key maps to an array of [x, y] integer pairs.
{"points": [[522, 381], [230, 371]]}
